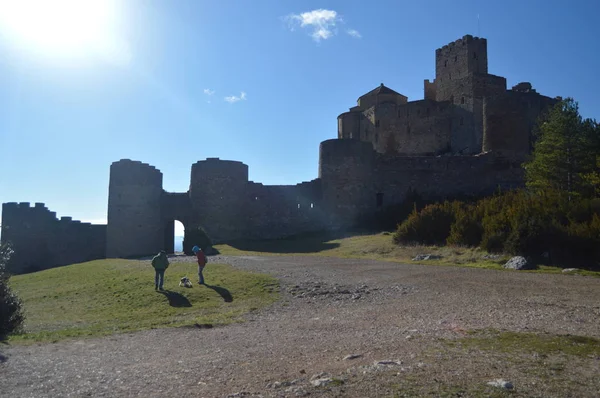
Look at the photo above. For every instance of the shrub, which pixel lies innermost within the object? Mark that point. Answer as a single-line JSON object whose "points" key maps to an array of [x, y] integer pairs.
{"points": [[429, 226], [467, 229], [519, 222], [11, 314]]}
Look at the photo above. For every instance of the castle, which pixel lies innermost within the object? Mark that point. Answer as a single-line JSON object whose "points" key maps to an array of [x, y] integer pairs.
{"points": [[469, 135]]}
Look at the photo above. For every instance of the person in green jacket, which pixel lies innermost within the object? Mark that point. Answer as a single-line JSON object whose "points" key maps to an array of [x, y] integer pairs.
{"points": [[160, 262]]}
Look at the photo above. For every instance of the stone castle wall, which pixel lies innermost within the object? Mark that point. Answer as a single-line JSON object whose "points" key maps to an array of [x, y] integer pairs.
{"points": [[41, 241], [468, 136], [134, 209]]}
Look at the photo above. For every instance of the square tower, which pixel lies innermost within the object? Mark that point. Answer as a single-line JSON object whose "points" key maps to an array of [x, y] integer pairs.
{"points": [[461, 58]]}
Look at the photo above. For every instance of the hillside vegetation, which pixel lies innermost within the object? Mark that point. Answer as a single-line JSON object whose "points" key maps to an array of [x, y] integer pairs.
{"points": [[108, 296]]}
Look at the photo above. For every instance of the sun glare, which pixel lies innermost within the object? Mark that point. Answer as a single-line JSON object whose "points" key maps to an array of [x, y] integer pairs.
{"points": [[70, 28]]}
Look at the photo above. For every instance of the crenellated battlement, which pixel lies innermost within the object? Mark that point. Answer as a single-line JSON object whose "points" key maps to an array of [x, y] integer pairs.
{"points": [[463, 41]]}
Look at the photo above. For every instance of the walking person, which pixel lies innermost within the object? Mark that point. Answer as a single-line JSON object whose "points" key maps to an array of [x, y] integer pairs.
{"points": [[201, 257], [160, 262]]}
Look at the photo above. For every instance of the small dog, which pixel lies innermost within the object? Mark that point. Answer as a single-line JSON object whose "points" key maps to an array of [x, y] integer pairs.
{"points": [[185, 282]]}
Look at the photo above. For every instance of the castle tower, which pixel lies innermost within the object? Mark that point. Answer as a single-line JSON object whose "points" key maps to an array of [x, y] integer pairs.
{"points": [[346, 173], [217, 194], [134, 226], [462, 78]]}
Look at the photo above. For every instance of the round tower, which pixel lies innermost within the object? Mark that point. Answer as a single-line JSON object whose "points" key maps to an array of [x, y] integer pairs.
{"points": [[349, 125], [346, 173], [217, 193], [134, 210]]}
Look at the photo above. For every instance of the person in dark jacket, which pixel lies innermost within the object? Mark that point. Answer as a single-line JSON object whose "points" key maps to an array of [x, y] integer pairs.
{"points": [[160, 262]]}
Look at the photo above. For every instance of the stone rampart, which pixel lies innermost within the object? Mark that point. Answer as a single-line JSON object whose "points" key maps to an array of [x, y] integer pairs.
{"points": [[41, 241]]}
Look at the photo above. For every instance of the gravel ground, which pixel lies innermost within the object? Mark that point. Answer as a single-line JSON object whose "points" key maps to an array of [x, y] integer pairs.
{"points": [[331, 308]]}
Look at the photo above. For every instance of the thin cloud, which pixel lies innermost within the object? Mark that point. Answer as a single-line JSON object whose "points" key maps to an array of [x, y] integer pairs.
{"points": [[232, 99], [354, 33], [321, 23], [208, 91]]}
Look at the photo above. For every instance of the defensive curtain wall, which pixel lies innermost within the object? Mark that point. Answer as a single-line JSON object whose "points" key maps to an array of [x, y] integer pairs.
{"points": [[40, 240], [468, 136]]}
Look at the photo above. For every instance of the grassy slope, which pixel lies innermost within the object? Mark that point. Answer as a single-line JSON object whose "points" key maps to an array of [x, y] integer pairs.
{"points": [[377, 247], [107, 296]]}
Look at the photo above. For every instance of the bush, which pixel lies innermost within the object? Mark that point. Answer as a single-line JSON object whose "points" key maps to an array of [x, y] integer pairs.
{"points": [[429, 226], [518, 222], [467, 229], [196, 237], [11, 314]]}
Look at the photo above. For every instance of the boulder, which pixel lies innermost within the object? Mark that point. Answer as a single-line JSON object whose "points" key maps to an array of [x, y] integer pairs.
{"points": [[519, 263]]}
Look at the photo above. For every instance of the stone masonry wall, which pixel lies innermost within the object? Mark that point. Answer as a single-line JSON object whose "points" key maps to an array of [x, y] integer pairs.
{"points": [[416, 128], [135, 226], [509, 120], [41, 241]]}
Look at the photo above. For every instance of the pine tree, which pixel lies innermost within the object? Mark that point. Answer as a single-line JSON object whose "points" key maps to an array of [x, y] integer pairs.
{"points": [[565, 152]]}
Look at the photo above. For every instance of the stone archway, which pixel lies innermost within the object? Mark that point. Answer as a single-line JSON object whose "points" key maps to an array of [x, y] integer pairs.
{"points": [[169, 235]]}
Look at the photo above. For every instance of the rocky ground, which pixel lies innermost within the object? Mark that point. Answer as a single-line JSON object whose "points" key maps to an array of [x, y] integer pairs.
{"points": [[348, 328]]}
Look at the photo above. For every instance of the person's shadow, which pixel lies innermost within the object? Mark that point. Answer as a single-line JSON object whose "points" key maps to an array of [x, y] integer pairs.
{"points": [[227, 297], [175, 299]]}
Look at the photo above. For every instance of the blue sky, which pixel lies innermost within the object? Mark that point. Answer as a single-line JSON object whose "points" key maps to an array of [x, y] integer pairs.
{"points": [[154, 85]]}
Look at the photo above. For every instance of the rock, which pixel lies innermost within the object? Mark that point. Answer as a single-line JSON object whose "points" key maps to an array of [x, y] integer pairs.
{"points": [[352, 356], [321, 375], [387, 363], [424, 257], [570, 269], [321, 382], [507, 385], [519, 263]]}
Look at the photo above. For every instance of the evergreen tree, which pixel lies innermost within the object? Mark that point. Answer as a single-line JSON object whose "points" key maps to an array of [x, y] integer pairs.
{"points": [[565, 152]]}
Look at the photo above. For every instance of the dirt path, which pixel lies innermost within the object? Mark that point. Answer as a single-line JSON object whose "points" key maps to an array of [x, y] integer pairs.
{"points": [[332, 308]]}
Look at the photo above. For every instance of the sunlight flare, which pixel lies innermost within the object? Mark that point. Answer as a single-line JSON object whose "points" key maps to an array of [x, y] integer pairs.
{"points": [[64, 28]]}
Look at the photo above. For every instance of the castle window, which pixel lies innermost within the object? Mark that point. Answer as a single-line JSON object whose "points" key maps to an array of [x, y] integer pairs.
{"points": [[376, 123], [462, 120], [475, 55], [446, 63], [379, 200], [462, 100], [455, 58], [450, 76], [311, 206], [298, 205]]}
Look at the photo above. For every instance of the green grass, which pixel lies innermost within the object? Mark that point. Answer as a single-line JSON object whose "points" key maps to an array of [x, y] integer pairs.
{"points": [[541, 344], [378, 247], [111, 296]]}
